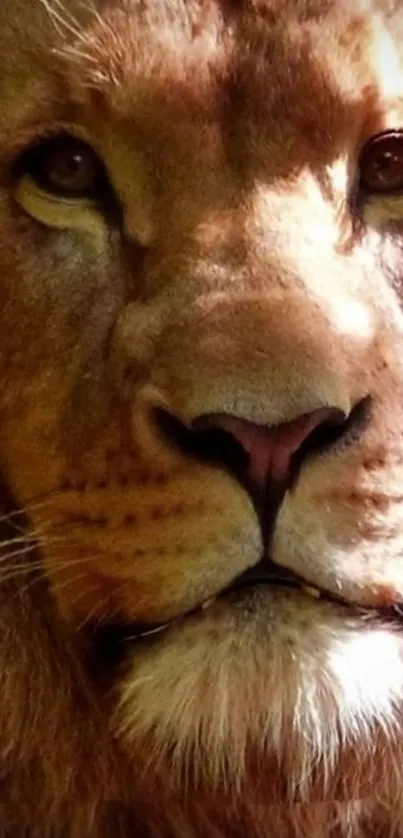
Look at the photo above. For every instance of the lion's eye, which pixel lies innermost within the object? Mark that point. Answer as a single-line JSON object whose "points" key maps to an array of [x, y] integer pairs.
{"points": [[381, 163], [65, 167]]}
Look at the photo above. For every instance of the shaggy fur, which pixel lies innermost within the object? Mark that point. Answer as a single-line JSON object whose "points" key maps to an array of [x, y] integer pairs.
{"points": [[232, 264]]}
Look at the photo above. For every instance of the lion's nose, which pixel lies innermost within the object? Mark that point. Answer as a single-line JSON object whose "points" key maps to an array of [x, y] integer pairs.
{"points": [[256, 454], [272, 452]]}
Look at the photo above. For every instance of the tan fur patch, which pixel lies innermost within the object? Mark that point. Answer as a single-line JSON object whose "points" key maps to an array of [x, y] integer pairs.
{"points": [[232, 265]]}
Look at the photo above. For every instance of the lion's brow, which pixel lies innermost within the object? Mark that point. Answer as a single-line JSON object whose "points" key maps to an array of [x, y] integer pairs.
{"points": [[261, 83], [132, 41]]}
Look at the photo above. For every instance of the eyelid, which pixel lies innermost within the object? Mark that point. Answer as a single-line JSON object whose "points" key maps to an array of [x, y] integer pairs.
{"points": [[36, 199], [36, 149], [58, 213], [36, 135], [51, 198]]}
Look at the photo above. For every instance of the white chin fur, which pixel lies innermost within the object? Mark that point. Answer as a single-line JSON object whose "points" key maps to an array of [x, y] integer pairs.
{"points": [[268, 673]]}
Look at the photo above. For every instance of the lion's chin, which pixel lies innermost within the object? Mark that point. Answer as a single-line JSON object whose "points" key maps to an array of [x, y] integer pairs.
{"points": [[289, 688]]}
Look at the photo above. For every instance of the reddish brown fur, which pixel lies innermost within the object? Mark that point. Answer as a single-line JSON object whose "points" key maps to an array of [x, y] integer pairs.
{"points": [[221, 123]]}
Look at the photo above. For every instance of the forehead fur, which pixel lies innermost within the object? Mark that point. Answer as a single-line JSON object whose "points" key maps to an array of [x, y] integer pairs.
{"points": [[244, 63], [259, 71]]}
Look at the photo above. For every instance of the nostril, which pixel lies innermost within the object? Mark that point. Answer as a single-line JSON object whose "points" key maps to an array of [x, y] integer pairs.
{"points": [[345, 429], [274, 453], [256, 455], [204, 442]]}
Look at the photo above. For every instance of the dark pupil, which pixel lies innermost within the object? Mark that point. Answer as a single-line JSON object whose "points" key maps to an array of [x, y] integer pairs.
{"points": [[70, 171], [386, 162], [387, 167]]}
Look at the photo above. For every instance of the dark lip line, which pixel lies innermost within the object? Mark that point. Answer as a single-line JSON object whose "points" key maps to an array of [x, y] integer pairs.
{"points": [[135, 632]]}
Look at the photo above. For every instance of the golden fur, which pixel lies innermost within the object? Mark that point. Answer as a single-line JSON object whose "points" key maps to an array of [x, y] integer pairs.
{"points": [[238, 278]]}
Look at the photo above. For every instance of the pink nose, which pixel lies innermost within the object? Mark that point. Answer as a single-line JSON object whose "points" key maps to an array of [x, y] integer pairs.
{"points": [[270, 450]]}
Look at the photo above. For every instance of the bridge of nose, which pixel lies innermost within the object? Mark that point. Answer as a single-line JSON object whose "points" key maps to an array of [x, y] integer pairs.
{"points": [[266, 359]]}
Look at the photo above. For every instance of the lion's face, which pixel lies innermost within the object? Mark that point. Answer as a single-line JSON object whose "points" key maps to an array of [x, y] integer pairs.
{"points": [[202, 360]]}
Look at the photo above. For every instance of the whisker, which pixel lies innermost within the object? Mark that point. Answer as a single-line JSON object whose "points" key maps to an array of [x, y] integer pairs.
{"points": [[61, 18], [30, 548], [70, 52], [87, 619], [59, 563], [60, 586], [23, 569], [89, 6], [18, 539], [21, 573], [28, 544], [38, 577], [8, 517]]}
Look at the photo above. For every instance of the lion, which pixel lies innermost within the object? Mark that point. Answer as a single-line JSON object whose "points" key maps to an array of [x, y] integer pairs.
{"points": [[201, 414]]}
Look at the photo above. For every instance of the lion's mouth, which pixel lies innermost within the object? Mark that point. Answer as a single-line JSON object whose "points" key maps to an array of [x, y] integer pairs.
{"points": [[264, 574], [219, 447], [216, 446]]}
